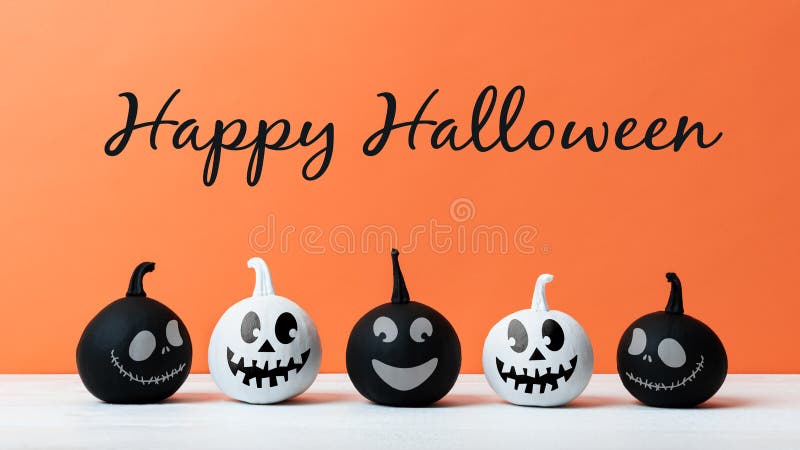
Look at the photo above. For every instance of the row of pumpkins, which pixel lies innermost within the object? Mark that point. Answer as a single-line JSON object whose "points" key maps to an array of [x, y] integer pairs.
{"points": [[265, 349]]}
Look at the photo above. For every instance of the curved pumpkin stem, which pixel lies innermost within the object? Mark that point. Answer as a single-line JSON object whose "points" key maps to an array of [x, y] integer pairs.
{"points": [[539, 302], [399, 290], [263, 285], [675, 302], [136, 287]]}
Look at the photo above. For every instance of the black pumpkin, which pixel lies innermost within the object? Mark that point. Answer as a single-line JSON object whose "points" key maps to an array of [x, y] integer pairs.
{"points": [[670, 359], [136, 350], [403, 353]]}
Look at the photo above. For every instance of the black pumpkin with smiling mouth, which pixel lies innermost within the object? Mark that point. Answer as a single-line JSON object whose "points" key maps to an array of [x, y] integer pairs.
{"points": [[403, 353]]}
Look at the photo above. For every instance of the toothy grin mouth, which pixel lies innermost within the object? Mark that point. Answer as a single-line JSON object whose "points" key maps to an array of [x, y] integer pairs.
{"points": [[668, 387], [166, 376], [542, 378], [262, 373], [404, 378]]}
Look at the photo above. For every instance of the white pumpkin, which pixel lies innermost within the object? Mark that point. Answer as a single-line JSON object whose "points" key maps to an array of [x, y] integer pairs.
{"points": [[265, 348], [538, 356]]}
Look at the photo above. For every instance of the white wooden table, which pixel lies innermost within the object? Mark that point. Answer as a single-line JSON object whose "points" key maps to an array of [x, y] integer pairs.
{"points": [[54, 411]]}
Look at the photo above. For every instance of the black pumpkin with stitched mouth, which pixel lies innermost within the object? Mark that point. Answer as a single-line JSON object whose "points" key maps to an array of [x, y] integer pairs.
{"points": [[670, 359], [403, 353], [135, 350]]}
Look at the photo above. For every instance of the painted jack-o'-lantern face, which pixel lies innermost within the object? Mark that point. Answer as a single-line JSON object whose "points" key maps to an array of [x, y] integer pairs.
{"points": [[136, 350], [265, 348], [538, 356], [403, 353], [670, 359]]}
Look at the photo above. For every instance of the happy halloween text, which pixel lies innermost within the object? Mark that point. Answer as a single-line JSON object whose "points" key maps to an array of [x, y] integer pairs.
{"points": [[442, 133]]}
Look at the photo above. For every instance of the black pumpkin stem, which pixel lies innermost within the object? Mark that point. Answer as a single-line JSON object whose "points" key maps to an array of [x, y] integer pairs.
{"points": [[675, 303], [399, 290], [135, 288]]}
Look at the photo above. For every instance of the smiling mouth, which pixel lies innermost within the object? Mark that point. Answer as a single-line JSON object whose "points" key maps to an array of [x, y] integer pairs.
{"points": [[404, 378], [263, 373], [144, 381], [652, 385], [541, 378]]}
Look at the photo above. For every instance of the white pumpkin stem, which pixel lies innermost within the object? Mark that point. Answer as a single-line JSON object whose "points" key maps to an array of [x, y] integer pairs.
{"points": [[263, 279], [539, 298]]}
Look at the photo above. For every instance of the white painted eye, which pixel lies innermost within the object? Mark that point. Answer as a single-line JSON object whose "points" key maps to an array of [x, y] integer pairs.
{"points": [[638, 342], [173, 334], [671, 352], [386, 327], [421, 329], [142, 346]]}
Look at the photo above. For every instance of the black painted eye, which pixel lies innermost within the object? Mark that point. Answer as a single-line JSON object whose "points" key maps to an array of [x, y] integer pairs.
{"points": [[250, 324], [516, 331], [285, 328], [551, 329]]}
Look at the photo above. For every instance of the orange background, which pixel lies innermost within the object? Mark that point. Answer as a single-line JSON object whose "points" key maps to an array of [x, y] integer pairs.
{"points": [[75, 221]]}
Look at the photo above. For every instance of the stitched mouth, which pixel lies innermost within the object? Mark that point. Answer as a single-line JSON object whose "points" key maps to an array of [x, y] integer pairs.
{"points": [[141, 379], [404, 378], [541, 378], [657, 386], [273, 375]]}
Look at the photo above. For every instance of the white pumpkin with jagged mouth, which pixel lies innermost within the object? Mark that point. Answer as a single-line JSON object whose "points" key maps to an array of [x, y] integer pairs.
{"points": [[538, 356], [265, 348]]}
